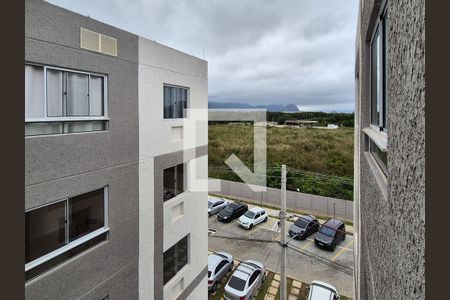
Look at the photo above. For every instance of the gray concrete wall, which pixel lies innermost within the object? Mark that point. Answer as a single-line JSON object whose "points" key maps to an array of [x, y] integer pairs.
{"points": [[308, 203], [64, 165], [392, 214]]}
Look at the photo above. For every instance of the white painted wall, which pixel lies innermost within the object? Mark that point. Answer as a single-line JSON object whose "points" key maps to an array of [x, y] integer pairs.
{"points": [[159, 64]]}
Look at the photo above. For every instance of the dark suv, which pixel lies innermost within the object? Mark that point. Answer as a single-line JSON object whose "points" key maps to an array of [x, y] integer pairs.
{"points": [[330, 234], [232, 211], [303, 227]]}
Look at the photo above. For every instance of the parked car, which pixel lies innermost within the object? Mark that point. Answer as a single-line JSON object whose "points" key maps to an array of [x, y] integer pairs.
{"points": [[245, 280], [215, 205], [331, 233], [303, 227], [219, 264], [253, 216], [232, 211], [319, 290]]}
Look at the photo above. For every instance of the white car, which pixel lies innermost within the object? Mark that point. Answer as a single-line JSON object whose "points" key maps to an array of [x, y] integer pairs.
{"points": [[245, 281], [253, 216], [219, 264], [215, 205], [319, 290]]}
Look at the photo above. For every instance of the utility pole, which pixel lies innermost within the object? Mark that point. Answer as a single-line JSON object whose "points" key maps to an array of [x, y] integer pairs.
{"points": [[283, 282]]}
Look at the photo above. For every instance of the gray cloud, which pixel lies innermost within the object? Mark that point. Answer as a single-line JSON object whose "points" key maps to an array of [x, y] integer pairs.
{"points": [[261, 51]]}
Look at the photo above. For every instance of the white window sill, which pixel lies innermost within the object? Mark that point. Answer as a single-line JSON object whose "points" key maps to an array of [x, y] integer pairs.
{"points": [[377, 136]]}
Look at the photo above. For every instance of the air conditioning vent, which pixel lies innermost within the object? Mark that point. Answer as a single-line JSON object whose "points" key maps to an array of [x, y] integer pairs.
{"points": [[90, 40], [108, 45], [97, 42]]}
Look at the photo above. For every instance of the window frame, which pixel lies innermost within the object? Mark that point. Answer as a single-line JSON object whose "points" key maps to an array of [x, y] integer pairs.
{"points": [[176, 179], [188, 100], [46, 118], [70, 245], [176, 257], [378, 133], [380, 25]]}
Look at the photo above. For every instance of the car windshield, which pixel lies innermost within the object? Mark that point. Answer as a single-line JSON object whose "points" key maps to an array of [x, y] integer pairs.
{"points": [[209, 274], [301, 223], [327, 231], [249, 214], [237, 283], [229, 208], [210, 204]]}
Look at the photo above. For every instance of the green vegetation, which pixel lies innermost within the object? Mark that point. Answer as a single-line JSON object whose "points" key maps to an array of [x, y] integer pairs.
{"points": [[341, 119], [319, 161]]}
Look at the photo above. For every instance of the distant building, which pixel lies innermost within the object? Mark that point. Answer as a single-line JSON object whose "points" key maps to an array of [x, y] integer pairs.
{"points": [[108, 214], [390, 150], [300, 123]]}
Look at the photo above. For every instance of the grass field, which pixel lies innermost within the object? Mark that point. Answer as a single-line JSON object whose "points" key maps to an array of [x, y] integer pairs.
{"points": [[319, 161]]}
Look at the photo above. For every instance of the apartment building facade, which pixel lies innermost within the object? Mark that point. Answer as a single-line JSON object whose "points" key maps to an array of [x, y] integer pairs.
{"points": [[390, 150], [108, 209]]}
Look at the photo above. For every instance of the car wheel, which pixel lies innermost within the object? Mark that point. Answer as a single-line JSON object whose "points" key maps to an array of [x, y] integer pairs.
{"points": [[250, 227], [264, 277], [214, 288], [333, 246], [265, 220], [231, 266], [344, 237]]}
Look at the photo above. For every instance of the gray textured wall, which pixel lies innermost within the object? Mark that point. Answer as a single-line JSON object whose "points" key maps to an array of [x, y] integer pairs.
{"points": [[325, 206], [58, 166], [392, 226]]}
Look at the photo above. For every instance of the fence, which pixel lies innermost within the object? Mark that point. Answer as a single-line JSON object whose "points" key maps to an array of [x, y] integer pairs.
{"points": [[313, 204]]}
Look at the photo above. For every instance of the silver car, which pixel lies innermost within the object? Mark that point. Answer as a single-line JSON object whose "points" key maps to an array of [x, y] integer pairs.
{"points": [[215, 205], [219, 264], [245, 281], [319, 290]]}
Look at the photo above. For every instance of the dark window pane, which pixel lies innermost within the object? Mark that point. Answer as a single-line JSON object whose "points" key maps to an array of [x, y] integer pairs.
{"points": [[182, 254], [169, 183], [77, 94], [376, 78], [87, 213], [180, 179], [168, 102], [44, 230], [380, 156], [64, 256], [175, 102], [55, 92], [175, 258], [169, 265]]}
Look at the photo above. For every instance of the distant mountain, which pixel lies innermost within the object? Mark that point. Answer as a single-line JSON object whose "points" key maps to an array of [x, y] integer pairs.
{"points": [[269, 107]]}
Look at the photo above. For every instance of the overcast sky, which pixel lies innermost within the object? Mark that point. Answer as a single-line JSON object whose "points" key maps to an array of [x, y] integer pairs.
{"points": [[260, 51]]}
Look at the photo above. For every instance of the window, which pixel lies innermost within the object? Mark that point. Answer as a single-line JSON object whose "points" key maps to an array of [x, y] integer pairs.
{"points": [[377, 132], [175, 258], [64, 101], [173, 181], [220, 266], [61, 230], [253, 277], [175, 102], [378, 105]]}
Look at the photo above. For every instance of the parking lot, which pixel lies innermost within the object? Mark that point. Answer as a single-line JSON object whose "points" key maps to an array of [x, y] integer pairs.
{"points": [[305, 261]]}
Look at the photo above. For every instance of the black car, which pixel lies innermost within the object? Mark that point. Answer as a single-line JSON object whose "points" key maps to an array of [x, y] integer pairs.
{"points": [[303, 227], [232, 211], [331, 233]]}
